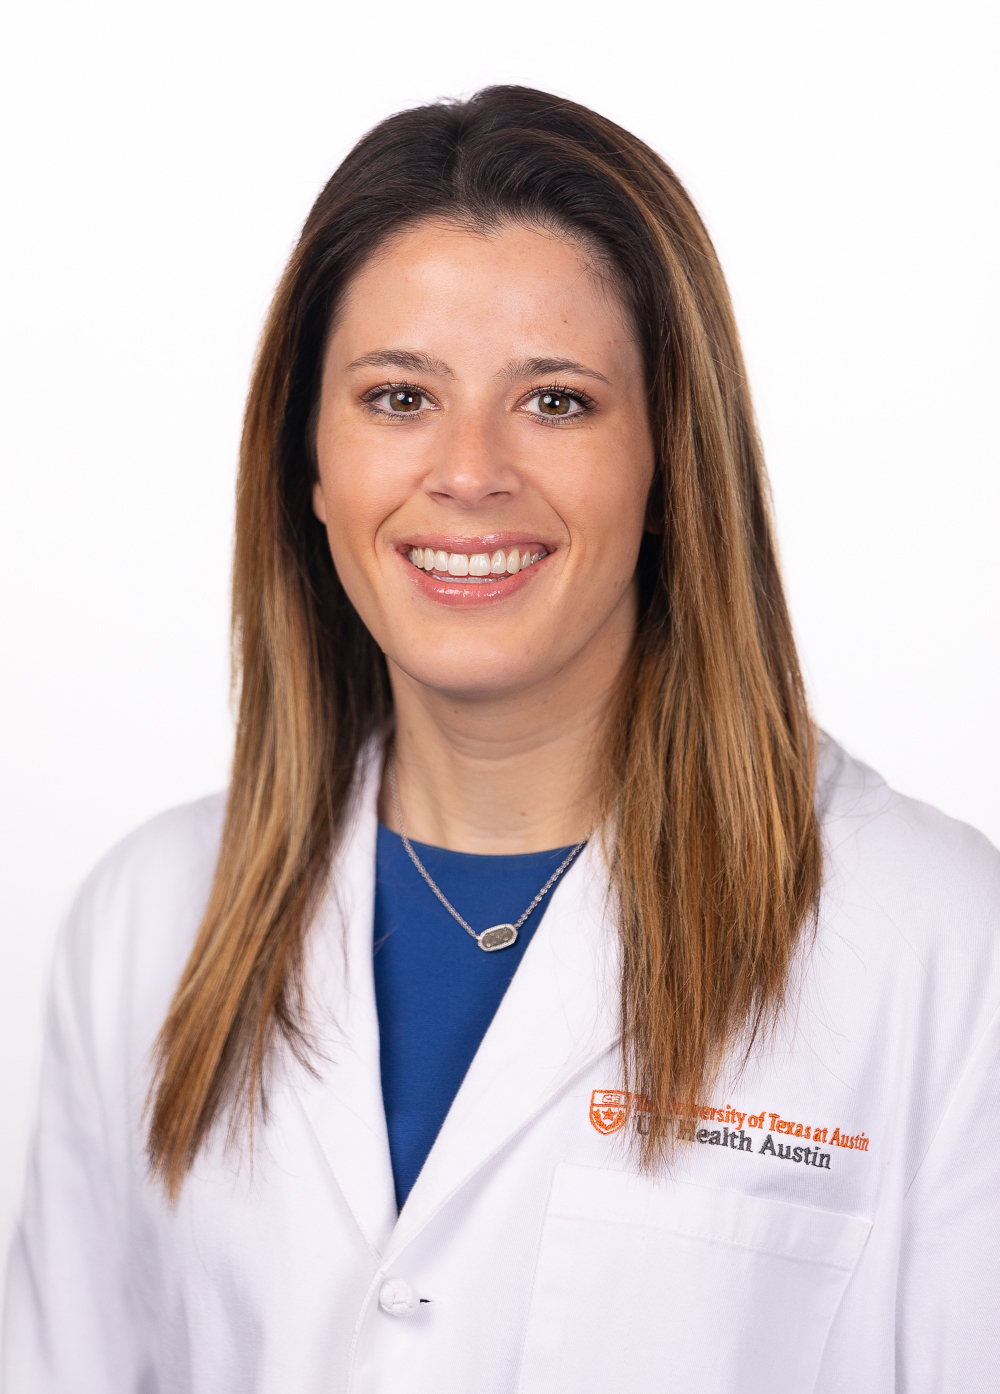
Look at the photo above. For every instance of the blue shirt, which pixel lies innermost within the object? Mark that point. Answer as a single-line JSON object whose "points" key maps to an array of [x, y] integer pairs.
{"points": [[435, 989]]}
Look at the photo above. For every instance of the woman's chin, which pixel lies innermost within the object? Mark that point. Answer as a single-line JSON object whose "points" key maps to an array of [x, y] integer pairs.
{"points": [[473, 677]]}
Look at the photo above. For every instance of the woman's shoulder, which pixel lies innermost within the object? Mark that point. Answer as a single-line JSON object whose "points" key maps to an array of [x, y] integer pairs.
{"points": [[168, 861], [862, 816], [130, 929], [900, 872]]}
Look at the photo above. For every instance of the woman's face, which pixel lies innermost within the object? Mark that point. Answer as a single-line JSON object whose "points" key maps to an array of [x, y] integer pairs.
{"points": [[485, 458]]}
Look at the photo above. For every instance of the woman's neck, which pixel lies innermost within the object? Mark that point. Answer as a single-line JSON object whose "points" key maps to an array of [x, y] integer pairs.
{"points": [[501, 773]]}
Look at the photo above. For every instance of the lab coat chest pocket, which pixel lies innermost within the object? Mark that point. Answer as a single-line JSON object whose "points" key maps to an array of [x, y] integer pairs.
{"points": [[643, 1283]]}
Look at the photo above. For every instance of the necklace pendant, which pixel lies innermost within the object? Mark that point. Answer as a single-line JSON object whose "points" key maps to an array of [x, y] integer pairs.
{"points": [[498, 936]]}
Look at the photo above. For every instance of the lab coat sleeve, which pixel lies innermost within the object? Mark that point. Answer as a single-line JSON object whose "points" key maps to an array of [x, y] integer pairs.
{"points": [[948, 1292], [68, 1325]]}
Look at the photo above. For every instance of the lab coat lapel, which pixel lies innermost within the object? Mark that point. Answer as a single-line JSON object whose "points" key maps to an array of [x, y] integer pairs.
{"points": [[344, 1100], [559, 1014]]}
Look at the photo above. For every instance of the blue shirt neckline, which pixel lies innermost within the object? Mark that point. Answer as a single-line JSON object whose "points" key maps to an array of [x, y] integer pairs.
{"points": [[436, 991]]}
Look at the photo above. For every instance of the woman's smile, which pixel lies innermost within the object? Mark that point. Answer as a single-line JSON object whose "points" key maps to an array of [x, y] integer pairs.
{"points": [[474, 572]]}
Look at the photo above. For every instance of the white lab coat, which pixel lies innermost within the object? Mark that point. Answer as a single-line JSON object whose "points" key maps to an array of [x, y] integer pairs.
{"points": [[530, 1254]]}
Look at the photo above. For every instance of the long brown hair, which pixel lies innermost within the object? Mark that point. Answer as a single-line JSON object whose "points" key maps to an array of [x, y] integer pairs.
{"points": [[708, 778]]}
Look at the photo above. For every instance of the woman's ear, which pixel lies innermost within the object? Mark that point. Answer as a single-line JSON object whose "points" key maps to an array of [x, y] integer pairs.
{"points": [[319, 502]]}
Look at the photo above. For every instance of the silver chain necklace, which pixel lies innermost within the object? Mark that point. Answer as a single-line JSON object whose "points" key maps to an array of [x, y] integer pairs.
{"points": [[498, 936]]}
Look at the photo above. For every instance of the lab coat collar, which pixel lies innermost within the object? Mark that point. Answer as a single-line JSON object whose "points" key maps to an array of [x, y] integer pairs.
{"points": [[342, 1098], [558, 1015]]}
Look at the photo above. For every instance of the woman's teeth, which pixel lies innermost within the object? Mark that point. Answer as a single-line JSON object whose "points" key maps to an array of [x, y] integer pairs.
{"points": [[478, 565]]}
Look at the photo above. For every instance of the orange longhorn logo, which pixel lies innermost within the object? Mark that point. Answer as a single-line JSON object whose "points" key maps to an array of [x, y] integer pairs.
{"points": [[609, 1109]]}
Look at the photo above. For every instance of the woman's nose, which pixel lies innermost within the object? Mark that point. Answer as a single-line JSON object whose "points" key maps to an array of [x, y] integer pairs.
{"points": [[472, 468]]}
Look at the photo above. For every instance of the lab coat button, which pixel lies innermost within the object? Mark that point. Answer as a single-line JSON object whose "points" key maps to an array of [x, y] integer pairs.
{"points": [[397, 1298]]}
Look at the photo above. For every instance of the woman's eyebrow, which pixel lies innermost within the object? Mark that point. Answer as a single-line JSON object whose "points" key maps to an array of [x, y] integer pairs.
{"points": [[406, 359], [532, 367]]}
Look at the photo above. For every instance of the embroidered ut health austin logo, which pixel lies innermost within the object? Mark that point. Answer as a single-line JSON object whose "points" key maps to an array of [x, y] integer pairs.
{"points": [[610, 1109]]}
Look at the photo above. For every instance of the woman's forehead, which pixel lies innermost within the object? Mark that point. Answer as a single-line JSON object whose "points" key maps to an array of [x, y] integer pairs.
{"points": [[513, 293]]}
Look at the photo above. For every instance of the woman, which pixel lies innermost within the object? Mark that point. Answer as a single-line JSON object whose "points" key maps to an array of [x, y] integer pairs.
{"points": [[517, 683]]}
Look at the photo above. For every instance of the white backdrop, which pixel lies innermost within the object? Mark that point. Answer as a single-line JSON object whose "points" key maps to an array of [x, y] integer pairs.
{"points": [[159, 162]]}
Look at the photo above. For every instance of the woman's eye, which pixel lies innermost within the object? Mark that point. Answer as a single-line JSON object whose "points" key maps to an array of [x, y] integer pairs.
{"points": [[400, 401], [554, 404]]}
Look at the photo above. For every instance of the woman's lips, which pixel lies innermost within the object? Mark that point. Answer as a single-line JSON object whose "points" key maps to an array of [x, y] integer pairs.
{"points": [[474, 576]]}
